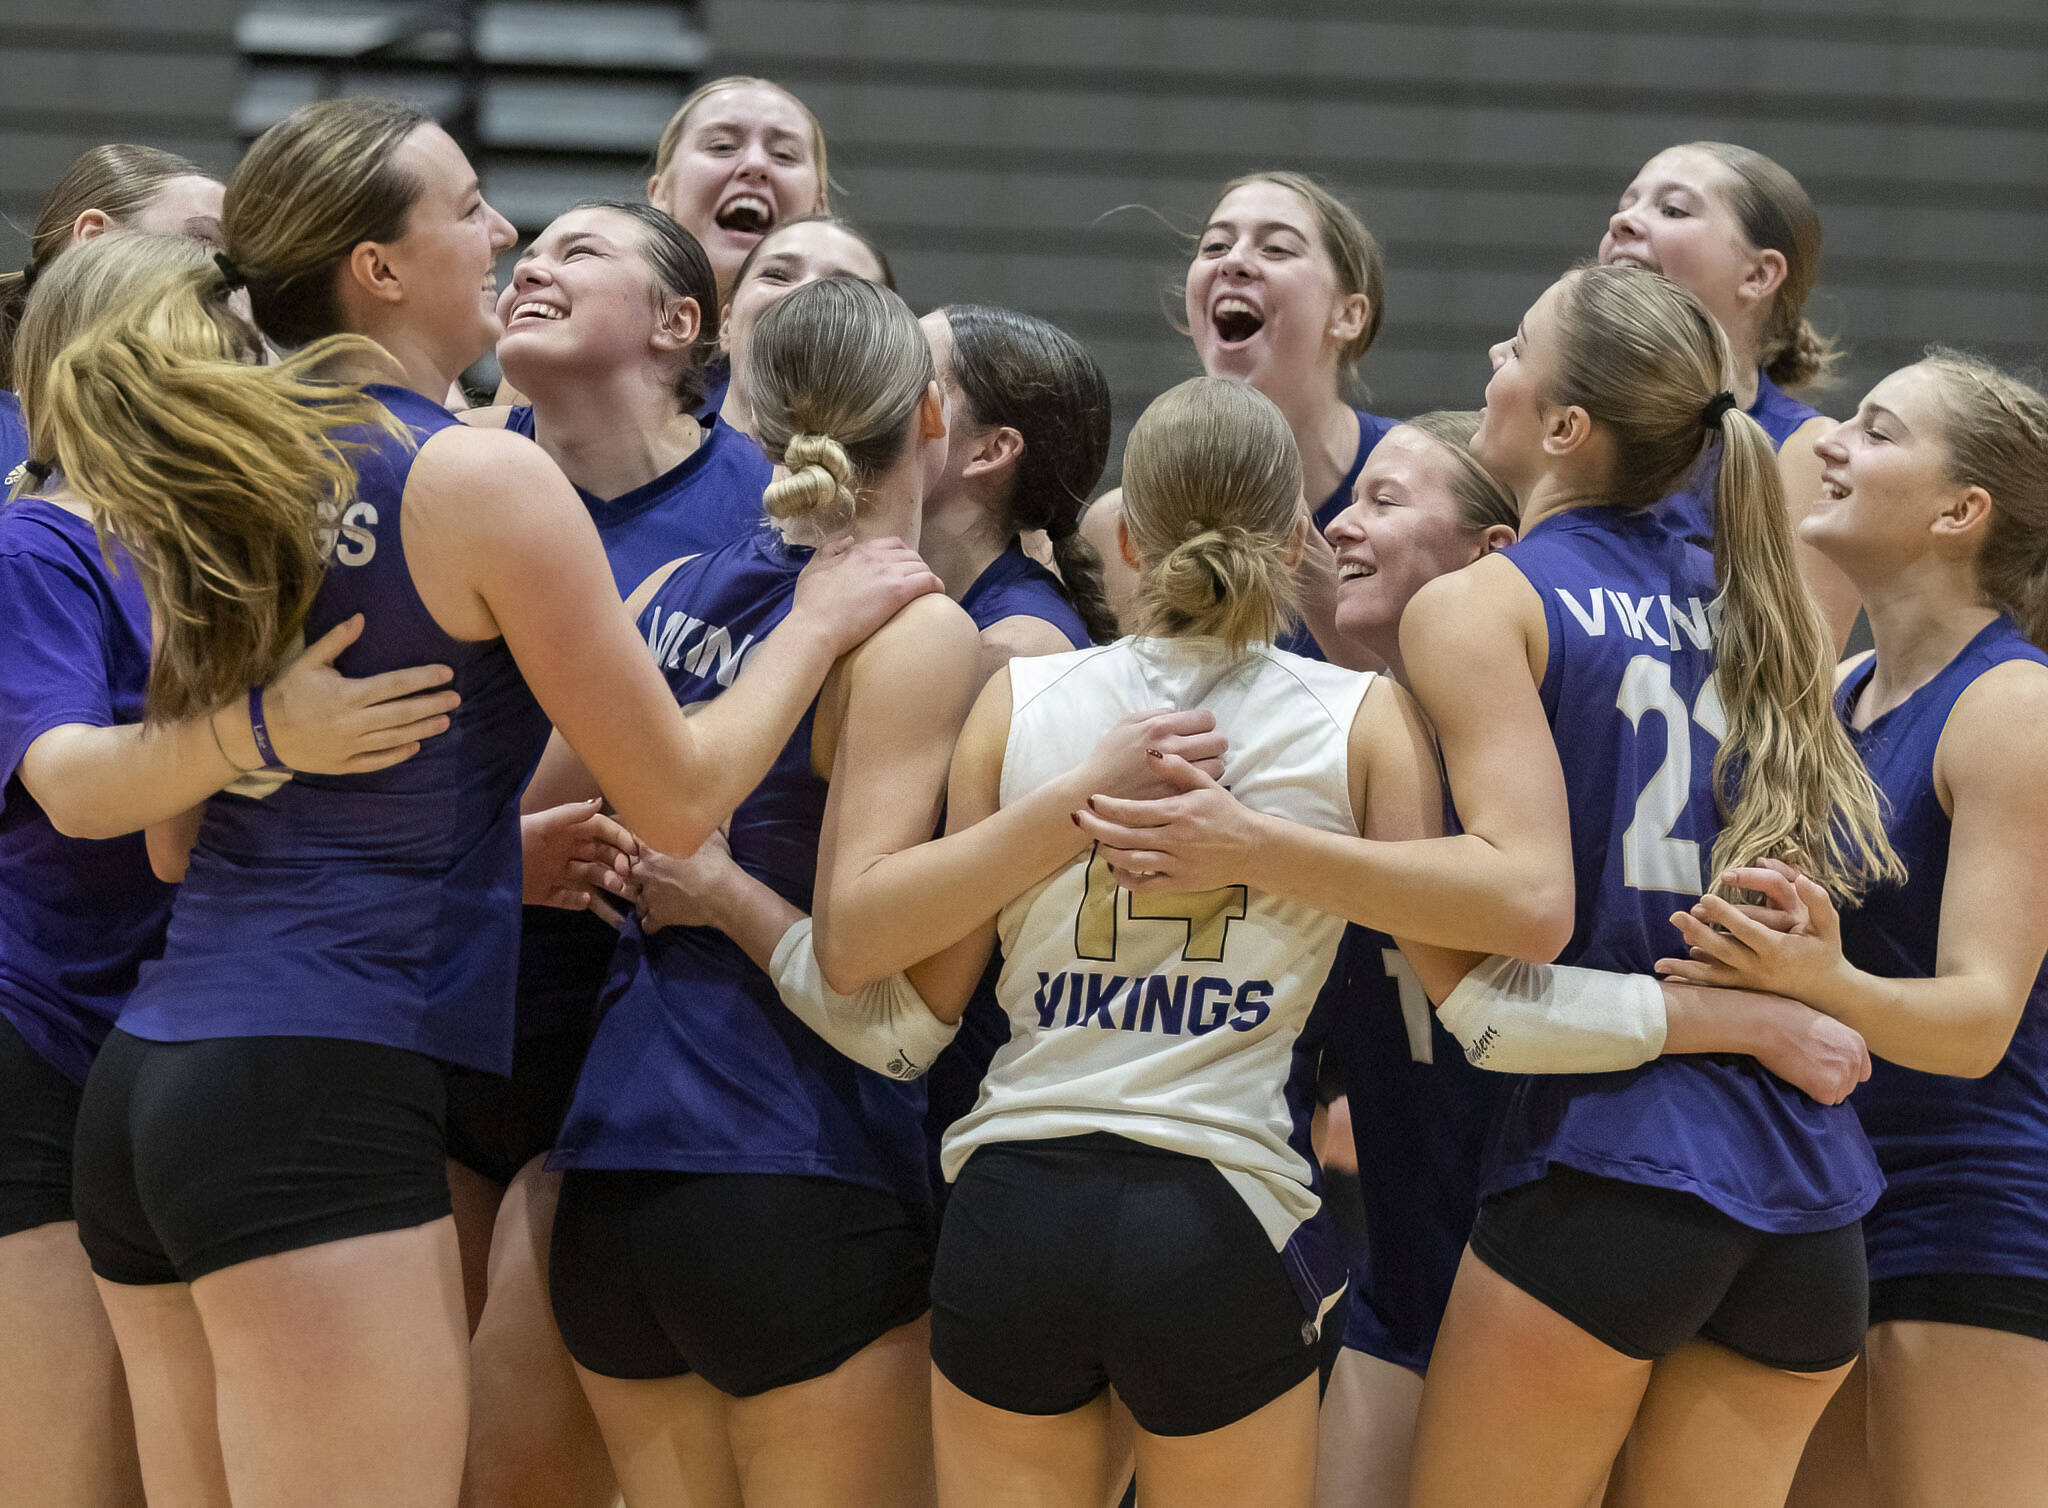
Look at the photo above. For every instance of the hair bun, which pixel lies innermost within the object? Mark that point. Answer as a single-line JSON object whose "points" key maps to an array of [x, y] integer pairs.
{"points": [[819, 470]]}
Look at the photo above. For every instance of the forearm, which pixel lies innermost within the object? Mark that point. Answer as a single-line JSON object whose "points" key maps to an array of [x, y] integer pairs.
{"points": [[104, 782], [1958, 1025], [752, 915], [1457, 892], [1703, 1019], [905, 907]]}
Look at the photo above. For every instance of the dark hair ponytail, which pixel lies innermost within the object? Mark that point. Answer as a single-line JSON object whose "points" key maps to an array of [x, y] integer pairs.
{"points": [[1026, 374]]}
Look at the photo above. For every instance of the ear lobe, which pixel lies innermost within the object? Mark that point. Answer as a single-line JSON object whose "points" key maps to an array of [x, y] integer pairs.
{"points": [[1966, 512], [1569, 429], [653, 187], [371, 272], [1002, 447], [1353, 315], [1766, 276], [1124, 547], [90, 223], [931, 413], [680, 325]]}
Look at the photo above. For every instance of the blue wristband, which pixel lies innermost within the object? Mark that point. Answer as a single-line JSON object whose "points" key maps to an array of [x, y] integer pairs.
{"points": [[262, 734]]}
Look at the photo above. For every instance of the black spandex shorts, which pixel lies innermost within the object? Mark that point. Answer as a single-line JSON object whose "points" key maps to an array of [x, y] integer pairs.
{"points": [[194, 1156], [750, 1280], [498, 1125], [1987, 1300], [38, 1109], [1645, 1270], [1084, 1262]]}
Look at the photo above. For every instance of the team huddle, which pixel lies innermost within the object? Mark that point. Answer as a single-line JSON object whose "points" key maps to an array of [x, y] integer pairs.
{"points": [[720, 929]]}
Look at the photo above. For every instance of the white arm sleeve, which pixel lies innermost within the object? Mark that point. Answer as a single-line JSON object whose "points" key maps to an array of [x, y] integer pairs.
{"points": [[1516, 1017], [885, 1026]]}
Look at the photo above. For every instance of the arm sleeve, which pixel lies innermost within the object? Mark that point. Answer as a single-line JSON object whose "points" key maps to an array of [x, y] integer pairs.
{"points": [[1517, 1017], [885, 1026]]}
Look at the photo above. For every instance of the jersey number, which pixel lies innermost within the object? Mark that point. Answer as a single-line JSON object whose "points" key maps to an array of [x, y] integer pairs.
{"points": [[1207, 914], [1416, 1014], [1651, 859]]}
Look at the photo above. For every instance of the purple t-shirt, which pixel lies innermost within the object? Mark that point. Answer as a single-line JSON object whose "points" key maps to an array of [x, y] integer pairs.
{"points": [[77, 917]]}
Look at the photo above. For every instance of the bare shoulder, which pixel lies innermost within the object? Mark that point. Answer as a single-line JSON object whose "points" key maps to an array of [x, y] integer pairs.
{"points": [[1021, 635]]}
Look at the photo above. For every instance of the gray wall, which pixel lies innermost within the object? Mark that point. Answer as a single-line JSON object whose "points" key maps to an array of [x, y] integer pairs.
{"points": [[75, 73], [1485, 143], [986, 143]]}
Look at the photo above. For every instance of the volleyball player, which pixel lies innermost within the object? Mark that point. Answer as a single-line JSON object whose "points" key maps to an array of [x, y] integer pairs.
{"points": [[82, 910], [117, 186], [1027, 435], [739, 157], [1736, 1195], [1286, 290], [235, 1185], [1934, 502], [793, 254], [1739, 232], [1420, 1112], [609, 320]]}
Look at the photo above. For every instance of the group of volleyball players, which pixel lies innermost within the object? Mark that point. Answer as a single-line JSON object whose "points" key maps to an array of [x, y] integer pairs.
{"points": [[713, 932]]}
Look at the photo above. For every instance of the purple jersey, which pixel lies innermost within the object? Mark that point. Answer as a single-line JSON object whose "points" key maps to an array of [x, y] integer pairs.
{"points": [[1421, 1119], [1371, 430], [1012, 586], [697, 1066], [1778, 415], [1965, 1160], [380, 907], [77, 917], [13, 442], [1629, 691], [709, 499]]}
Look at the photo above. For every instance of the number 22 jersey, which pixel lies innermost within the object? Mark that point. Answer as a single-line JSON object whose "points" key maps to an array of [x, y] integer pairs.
{"points": [[1629, 601], [1179, 1021]]}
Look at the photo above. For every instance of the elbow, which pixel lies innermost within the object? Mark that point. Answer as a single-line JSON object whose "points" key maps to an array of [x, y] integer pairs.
{"points": [[847, 967], [83, 820], [1543, 923]]}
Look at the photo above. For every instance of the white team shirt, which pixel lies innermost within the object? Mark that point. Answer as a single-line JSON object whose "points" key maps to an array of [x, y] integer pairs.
{"points": [[1172, 1020]]}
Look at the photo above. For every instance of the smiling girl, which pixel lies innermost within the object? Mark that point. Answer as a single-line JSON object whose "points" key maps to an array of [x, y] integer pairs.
{"points": [[608, 322], [1737, 231], [337, 942], [1934, 502], [1286, 291]]}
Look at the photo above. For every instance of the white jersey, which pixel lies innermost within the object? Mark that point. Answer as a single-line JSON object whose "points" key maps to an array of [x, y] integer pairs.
{"points": [[1174, 1020]]}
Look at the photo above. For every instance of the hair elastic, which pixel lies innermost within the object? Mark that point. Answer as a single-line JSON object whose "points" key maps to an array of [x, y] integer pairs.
{"points": [[262, 734], [1719, 404], [38, 470], [232, 277]]}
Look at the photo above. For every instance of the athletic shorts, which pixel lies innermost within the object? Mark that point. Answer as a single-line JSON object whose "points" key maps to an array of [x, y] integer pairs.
{"points": [[1990, 1301], [1070, 1265], [496, 1126], [752, 1281], [194, 1156], [38, 1109], [1645, 1270]]}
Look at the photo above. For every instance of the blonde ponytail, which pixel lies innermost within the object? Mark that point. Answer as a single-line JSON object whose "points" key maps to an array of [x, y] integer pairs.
{"points": [[836, 372], [1212, 500], [1644, 358], [1800, 791], [224, 480]]}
